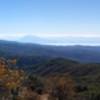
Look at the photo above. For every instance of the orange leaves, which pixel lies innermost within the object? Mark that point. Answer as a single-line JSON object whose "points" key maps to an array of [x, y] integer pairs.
{"points": [[63, 86], [10, 78], [14, 79], [3, 69]]}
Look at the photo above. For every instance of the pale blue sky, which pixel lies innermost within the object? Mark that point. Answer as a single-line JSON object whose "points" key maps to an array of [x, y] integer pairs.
{"points": [[49, 18]]}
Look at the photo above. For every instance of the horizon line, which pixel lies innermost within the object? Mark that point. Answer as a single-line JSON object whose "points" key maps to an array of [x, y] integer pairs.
{"points": [[55, 44]]}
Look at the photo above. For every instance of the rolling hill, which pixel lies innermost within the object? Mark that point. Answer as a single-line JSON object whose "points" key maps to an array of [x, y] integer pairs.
{"points": [[61, 66], [84, 54]]}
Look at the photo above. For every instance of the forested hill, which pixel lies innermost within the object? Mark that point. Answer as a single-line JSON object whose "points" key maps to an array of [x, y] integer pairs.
{"points": [[87, 54], [61, 66]]}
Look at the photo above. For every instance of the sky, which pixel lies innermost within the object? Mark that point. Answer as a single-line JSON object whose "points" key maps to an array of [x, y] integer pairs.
{"points": [[51, 19]]}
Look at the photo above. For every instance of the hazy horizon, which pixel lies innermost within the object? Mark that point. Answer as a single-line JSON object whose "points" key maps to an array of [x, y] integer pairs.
{"points": [[59, 22]]}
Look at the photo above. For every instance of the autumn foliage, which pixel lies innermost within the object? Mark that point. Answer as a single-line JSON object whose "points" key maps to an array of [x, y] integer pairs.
{"points": [[15, 84]]}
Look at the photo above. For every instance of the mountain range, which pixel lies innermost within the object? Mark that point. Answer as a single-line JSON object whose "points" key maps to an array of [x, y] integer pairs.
{"points": [[84, 54], [69, 40]]}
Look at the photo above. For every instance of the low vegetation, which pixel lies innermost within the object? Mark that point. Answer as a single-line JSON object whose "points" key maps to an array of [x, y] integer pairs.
{"points": [[18, 84]]}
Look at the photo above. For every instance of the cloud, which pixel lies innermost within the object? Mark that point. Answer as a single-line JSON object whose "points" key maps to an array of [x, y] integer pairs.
{"points": [[54, 36], [58, 35], [11, 36]]}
